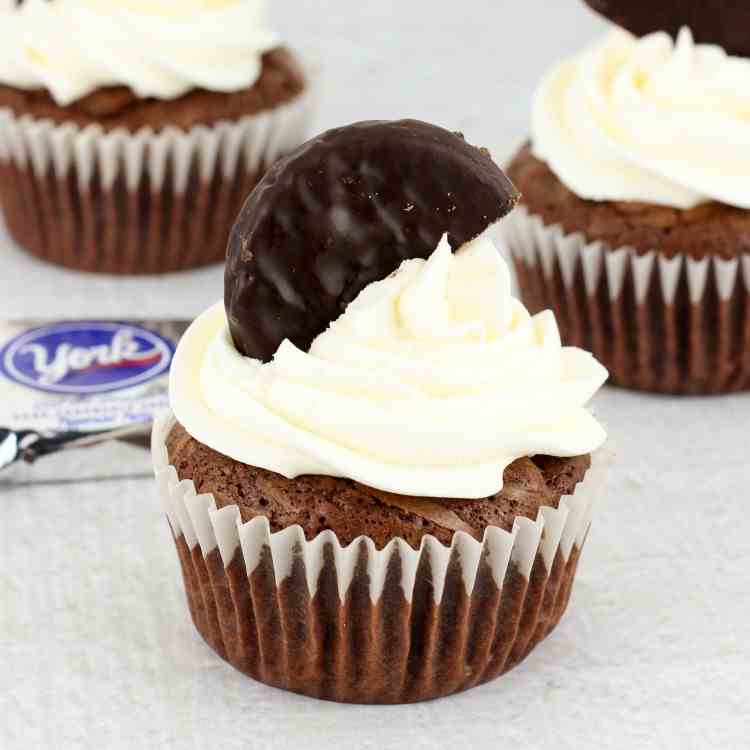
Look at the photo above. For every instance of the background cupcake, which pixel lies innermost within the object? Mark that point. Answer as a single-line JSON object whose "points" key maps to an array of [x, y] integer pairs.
{"points": [[381, 481], [634, 226], [131, 133]]}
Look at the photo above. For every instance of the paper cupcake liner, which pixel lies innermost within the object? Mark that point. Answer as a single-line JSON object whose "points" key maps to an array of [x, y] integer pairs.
{"points": [[659, 323], [143, 202], [360, 625]]}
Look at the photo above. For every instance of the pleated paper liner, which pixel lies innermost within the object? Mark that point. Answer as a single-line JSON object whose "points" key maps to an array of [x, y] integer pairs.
{"points": [[362, 625], [133, 203], [662, 324]]}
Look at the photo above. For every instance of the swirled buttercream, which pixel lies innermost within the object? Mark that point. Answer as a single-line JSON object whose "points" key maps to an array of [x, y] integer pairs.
{"points": [[648, 120], [158, 48], [431, 383]]}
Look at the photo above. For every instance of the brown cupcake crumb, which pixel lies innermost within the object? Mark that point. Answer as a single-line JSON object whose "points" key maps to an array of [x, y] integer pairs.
{"points": [[709, 229], [350, 509]]}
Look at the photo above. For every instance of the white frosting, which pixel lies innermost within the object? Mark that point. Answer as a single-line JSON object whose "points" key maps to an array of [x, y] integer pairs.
{"points": [[159, 48], [431, 383], [648, 120]]}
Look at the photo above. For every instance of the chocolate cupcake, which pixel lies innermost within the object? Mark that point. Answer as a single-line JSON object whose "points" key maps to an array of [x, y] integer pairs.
{"points": [[379, 469], [130, 136], [634, 227]]}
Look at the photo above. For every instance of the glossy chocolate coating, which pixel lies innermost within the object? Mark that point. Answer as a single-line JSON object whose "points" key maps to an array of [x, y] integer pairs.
{"points": [[344, 210], [722, 22]]}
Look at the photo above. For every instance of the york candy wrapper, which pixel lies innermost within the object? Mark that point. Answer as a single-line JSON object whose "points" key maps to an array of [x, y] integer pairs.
{"points": [[75, 383]]}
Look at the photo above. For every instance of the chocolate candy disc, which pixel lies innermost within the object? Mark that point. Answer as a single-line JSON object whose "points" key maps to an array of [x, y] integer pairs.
{"points": [[344, 210], [722, 22]]}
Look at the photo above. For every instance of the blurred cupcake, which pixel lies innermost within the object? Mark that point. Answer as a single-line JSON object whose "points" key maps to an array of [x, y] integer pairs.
{"points": [[634, 226], [385, 504], [131, 132]]}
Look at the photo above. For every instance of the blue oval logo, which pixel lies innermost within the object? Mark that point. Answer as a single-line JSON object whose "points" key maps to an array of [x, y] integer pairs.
{"points": [[85, 358]]}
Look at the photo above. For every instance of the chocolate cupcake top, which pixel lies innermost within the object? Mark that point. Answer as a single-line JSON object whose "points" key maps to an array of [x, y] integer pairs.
{"points": [[430, 383], [649, 120], [158, 49]]}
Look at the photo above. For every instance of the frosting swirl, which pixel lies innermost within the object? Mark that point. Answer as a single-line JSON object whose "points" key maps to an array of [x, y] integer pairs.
{"points": [[158, 48], [431, 383], [648, 120]]}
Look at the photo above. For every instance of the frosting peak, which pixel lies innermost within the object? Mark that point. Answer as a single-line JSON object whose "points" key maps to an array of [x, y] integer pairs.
{"points": [[649, 120], [431, 383], [158, 48]]}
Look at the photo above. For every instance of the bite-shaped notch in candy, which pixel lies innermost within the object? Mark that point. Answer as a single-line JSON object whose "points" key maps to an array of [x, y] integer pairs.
{"points": [[344, 210]]}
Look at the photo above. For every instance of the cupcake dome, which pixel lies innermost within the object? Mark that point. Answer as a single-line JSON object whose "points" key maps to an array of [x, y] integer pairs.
{"points": [[130, 133]]}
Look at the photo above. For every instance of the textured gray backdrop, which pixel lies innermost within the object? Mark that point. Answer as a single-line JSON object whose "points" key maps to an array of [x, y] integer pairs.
{"points": [[97, 650]]}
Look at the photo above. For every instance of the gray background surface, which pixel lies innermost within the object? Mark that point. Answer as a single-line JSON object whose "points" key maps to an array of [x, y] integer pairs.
{"points": [[96, 646]]}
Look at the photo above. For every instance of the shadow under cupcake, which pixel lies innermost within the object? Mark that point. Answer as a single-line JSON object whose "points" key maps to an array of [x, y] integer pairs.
{"points": [[130, 139]]}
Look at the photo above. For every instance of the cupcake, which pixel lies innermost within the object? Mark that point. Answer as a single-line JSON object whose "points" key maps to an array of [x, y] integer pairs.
{"points": [[131, 133], [379, 469], [634, 226]]}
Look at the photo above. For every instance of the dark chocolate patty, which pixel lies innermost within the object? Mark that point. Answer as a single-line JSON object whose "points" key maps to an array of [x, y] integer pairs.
{"points": [[350, 509], [722, 22], [344, 210], [709, 229]]}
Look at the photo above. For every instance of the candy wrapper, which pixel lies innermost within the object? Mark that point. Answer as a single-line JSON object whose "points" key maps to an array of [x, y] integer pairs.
{"points": [[73, 384]]}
